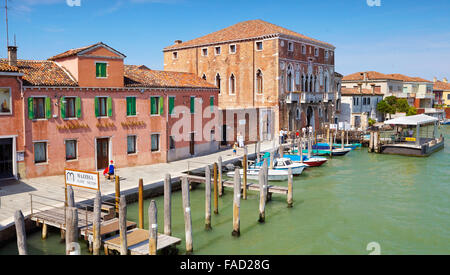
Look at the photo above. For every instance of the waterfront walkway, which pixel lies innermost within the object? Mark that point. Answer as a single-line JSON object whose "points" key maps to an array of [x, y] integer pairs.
{"points": [[16, 195]]}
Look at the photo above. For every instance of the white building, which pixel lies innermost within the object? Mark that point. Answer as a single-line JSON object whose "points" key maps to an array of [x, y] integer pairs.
{"points": [[358, 105]]}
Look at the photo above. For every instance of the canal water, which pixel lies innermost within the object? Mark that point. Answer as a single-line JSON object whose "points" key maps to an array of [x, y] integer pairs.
{"points": [[401, 203]]}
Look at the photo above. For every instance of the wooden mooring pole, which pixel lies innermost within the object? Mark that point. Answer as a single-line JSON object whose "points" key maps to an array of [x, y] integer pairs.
{"points": [[236, 204], [216, 191], [152, 228], [167, 205], [71, 230], [187, 214], [290, 189], [208, 198], [245, 164], [97, 238], [258, 152], [117, 194], [262, 195], [20, 233], [123, 225], [220, 171], [141, 203]]}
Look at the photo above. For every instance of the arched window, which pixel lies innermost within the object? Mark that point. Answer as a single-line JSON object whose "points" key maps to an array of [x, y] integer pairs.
{"points": [[232, 84], [259, 82], [303, 83], [326, 83], [218, 81], [289, 82]]}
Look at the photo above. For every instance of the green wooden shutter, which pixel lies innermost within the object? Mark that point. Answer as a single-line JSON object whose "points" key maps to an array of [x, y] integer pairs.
{"points": [[153, 106], [97, 107], [128, 106], [192, 105], [134, 106], [211, 103], [171, 105], [30, 108], [161, 105], [48, 107], [62, 104], [109, 103], [78, 106]]}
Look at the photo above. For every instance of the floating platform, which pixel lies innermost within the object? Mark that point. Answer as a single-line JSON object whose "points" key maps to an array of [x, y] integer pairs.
{"points": [[138, 242]]}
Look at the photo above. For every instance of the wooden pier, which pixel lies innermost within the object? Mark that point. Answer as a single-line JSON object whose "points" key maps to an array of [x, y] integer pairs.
{"points": [[138, 242]]}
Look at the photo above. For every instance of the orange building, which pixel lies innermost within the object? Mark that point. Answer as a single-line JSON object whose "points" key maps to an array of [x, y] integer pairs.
{"points": [[280, 77], [84, 107]]}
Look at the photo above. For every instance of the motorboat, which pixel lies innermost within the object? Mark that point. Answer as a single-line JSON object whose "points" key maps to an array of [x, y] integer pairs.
{"points": [[312, 162], [283, 164], [253, 174]]}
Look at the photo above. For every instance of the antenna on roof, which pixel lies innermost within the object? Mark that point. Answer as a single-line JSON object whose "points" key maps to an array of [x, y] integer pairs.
{"points": [[7, 32]]}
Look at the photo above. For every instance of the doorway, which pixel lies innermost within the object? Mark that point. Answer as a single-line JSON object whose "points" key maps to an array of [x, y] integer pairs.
{"points": [[6, 158], [102, 153]]}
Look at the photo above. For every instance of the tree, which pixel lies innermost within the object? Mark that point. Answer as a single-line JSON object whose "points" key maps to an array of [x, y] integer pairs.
{"points": [[412, 111], [385, 108], [402, 105]]}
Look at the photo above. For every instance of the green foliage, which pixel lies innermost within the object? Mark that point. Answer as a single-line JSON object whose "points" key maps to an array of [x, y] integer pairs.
{"points": [[372, 121], [402, 105], [385, 108], [412, 111]]}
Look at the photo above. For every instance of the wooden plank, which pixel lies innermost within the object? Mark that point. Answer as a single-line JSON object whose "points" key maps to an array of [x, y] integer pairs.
{"points": [[111, 226]]}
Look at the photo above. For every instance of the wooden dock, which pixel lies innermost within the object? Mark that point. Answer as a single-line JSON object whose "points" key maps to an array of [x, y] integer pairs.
{"points": [[138, 242], [271, 189]]}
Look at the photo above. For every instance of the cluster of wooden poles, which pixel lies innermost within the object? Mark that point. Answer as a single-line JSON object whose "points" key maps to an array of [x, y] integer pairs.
{"points": [[72, 230]]}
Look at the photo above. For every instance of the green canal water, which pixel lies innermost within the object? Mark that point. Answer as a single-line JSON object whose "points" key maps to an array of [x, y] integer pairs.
{"points": [[400, 202]]}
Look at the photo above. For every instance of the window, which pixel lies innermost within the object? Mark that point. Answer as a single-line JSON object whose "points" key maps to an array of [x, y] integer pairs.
{"points": [[368, 101], [233, 48], [5, 101], [448, 96], [259, 46], [39, 107], [192, 104], [71, 149], [175, 55], [157, 105], [70, 107], [171, 104], [155, 142], [259, 82], [131, 144], [218, 81], [204, 76], [218, 50], [101, 69], [364, 101], [291, 46], [131, 106], [103, 106], [40, 152], [303, 49], [232, 84], [205, 51], [290, 87], [326, 55], [171, 142], [316, 52]]}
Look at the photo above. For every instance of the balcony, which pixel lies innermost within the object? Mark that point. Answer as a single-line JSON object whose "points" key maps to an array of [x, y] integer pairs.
{"points": [[329, 97], [293, 97], [310, 97]]}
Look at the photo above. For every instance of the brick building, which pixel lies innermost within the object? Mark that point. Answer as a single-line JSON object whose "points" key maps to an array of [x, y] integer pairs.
{"points": [[84, 107], [268, 76]]}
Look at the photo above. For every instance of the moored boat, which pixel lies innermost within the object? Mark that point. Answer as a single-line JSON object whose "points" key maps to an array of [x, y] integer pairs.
{"points": [[311, 162], [253, 174], [283, 164]]}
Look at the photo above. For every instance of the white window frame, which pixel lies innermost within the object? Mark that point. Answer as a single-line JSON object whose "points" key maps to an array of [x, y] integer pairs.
{"points": [[316, 51], [65, 149], [235, 49], [46, 152], [99, 116], [290, 43], [229, 85], [159, 142], [75, 117], [303, 49], [135, 145], [220, 50], [45, 108], [107, 71], [256, 46], [10, 103], [174, 55], [203, 51]]}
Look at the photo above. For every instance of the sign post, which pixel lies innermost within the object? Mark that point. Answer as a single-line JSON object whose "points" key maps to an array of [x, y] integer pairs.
{"points": [[83, 179]]}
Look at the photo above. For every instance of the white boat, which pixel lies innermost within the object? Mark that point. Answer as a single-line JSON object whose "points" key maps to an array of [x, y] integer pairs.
{"points": [[253, 174], [284, 164]]}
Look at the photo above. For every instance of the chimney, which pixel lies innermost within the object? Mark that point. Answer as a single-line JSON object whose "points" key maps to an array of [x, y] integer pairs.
{"points": [[445, 80], [178, 42], [434, 79], [365, 76], [373, 88], [360, 87], [12, 55]]}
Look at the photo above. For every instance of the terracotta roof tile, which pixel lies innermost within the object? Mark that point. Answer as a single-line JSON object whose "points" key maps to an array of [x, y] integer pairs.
{"points": [[241, 31], [441, 86], [372, 75], [43, 73], [78, 50], [5, 67], [141, 76]]}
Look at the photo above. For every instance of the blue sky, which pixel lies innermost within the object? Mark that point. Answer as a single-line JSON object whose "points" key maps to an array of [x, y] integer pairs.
{"points": [[400, 36]]}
